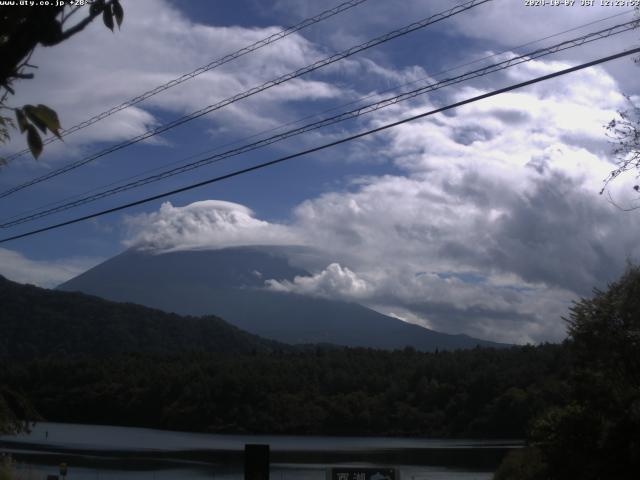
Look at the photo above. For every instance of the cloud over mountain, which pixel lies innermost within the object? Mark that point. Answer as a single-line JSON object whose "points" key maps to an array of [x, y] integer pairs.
{"points": [[484, 220], [333, 282], [491, 226], [206, 224]]}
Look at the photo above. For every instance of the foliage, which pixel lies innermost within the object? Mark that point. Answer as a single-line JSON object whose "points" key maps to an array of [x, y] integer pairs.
{"points": [[83, 359], [23, 28], [7, 466], [40, 323], [522, 464], [14, 410], [333, 391], [36, 322], [625, 135], [596, 433], [624, 132]]}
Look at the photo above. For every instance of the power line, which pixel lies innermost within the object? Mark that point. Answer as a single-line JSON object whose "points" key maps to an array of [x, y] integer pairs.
{"points": [[299, 120], [327, 145], [575, 42], [306, 117], [200, 70], [272, 83]]}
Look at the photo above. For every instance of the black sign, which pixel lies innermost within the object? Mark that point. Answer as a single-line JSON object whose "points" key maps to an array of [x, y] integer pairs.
{"points": [[363, 474], [256, 462]]}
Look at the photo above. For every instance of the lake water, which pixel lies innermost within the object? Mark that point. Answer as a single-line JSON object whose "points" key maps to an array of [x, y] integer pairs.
{"points": [[95, 452]]}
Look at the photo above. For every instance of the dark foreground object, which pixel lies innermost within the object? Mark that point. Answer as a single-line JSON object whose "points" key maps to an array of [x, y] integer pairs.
{"points": [[256, 462]]}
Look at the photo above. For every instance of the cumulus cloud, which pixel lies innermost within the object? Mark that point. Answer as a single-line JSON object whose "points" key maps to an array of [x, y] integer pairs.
{"points": [[489, 222], [505, 188], [48, 274], [333, 282], [206, 224], [96, 70], [490, 225]]}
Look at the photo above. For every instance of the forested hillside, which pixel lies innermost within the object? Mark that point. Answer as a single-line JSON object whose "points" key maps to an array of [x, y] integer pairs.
{"points": [[78, 358], [37, 323], [471, 393]]}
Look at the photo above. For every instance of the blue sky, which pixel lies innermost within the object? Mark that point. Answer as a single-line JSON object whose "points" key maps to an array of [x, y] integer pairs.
{"points": [[485, 220]]}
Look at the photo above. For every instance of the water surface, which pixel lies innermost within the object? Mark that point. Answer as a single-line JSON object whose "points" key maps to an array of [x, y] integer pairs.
{"points": [[97, 452]]}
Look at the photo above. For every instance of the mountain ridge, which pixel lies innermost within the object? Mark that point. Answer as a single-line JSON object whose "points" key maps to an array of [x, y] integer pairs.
{"points": [[229, 283], [38, 322]]}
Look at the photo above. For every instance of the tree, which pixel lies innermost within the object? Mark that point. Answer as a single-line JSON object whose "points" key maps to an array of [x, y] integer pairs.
{"points": [[625, 134], [596, 433], [624, 131], [23, 29], [14, 410]]}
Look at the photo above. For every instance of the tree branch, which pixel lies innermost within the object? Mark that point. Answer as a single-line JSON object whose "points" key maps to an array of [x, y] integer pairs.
{"points": [[78, 27]]}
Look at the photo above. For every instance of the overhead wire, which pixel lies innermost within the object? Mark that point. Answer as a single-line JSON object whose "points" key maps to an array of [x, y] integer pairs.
{"points": [[200, 70], [366, 109], [327, 145], [299, 120], [271, 83]]}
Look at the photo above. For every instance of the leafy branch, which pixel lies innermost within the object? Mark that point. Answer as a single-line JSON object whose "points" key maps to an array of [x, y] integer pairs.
{"points": [[23, 29], [624, 133]]}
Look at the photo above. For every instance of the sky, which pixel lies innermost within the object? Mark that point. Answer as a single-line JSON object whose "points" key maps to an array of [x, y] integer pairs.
{"points": [[485, 219]]}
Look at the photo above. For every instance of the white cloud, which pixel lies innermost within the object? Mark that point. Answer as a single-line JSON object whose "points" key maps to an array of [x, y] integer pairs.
{"points": [[97, 69], [491, 224], [492, 227], [506, 188], [333, 282], [510, 24], [513, 23], [207, 224], [21, 269]]}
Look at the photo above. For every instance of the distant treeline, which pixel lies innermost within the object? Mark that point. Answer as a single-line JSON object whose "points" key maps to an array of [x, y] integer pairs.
{"points": [[474, 393], [72, 357], [577, 404]]}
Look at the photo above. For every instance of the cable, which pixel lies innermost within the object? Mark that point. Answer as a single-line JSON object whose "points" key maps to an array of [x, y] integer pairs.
{"points": [[299, 120], [588, 38], [200, 70], [327, 145], [272, 83]]}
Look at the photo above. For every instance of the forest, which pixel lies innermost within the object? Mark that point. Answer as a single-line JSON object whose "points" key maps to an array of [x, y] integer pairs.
{"points": [[79, 358], [577, 404], [476, 393]]}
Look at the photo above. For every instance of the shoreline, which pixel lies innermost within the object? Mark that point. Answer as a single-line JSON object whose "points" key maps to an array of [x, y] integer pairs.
{"points": [[487, 457]]}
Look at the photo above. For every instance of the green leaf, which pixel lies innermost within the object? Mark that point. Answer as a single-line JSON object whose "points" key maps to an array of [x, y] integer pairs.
{"points": [[118, 12], [96, 7], [22, 120], [34, 141], [107, 18], [49, 117], [32, 114]]}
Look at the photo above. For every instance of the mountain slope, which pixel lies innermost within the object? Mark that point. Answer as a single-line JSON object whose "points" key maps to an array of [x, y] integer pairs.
{"points": [[37, 322], [230, 283]]}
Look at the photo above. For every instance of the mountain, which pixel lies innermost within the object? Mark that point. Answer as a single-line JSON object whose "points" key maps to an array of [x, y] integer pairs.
{"points": [[36, 322], [229, 282]]}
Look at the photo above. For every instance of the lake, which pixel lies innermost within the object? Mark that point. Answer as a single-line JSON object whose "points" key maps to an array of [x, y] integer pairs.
{"points": [[96, 452]]}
